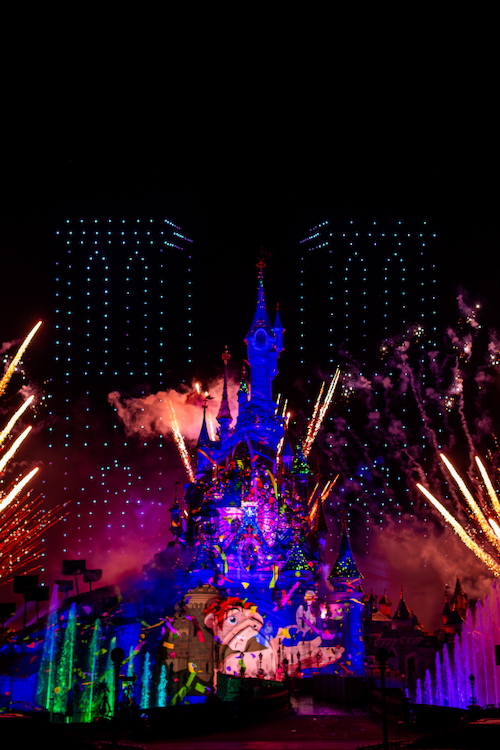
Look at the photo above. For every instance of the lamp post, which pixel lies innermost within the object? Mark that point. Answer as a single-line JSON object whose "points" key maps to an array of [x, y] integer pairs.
{"points": [[382, 657], [472, 681], [403, 678]]}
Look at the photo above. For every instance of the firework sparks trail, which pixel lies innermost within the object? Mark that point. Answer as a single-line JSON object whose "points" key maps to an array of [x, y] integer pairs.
{"points": [[319, 412], [491, 492], [314, 415], [21, 526], [486, 524], [181, 445], [13, 448], [17, 358], [281, 442], [328, 488], [23, 520], [12, 421], [321, 499], [478, 514], [494, 526], [17, 488], [461, 533], [311, 496]]}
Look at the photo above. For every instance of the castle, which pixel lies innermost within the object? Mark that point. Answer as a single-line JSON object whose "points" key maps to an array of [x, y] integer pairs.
{"points": [[241, 592]]}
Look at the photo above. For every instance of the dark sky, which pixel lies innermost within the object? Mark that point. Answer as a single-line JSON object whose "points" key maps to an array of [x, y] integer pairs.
{"points": [[247, 138], [245, 130]]}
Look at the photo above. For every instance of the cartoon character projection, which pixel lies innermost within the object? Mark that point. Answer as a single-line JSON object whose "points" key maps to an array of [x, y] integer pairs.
{"points": [[235, 624], [244, 649]]}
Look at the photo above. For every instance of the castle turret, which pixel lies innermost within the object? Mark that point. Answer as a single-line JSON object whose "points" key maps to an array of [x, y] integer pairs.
{"points": [[224, 417], [459, 601], [204, 446], [344, 602], [264, 344], [402, 618]]}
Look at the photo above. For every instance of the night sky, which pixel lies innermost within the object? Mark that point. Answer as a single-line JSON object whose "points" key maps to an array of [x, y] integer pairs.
{"points": [[246, 143]]}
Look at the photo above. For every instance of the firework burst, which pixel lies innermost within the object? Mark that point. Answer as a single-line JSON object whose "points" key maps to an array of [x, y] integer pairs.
{"points": [[23, 520], [481, 534]]}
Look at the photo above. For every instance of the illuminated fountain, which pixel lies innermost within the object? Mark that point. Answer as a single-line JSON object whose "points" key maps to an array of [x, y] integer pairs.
{"points": [[467, 667]]}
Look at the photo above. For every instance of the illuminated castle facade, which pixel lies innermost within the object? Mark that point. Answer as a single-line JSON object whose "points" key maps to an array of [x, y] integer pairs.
{"points": [[241, 590], [250, 527]]}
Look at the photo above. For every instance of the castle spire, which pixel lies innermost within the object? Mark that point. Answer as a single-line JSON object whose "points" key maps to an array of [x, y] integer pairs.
{"points": [[260, 318], [402, 612], [224, 417], [264, 345], [204, 437], [345, 566]]}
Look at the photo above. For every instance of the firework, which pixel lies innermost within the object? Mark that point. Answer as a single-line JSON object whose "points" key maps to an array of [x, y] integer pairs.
{"points": [[484, 523], [17, 358], [319, 411], [12, 421], [481, 521], [461, 533], [23, 520], [320, 499], [18, 487], [22, 524], [13, 448], [491, 492], [181, 445]]}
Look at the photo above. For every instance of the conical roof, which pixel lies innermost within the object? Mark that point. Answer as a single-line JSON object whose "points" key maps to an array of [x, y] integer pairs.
{"points": [[260, 318], [345, 566], [224, 411], [300, 466], [402, 612], [278, 326], [204, 438], [296, 560], [458, 589]]}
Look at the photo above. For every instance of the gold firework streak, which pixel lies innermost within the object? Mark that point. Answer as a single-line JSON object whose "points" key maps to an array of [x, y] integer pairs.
{"points": [[461, 533], [11, 368], [15, 445], [17, 489], [476, 510], [12, 421], [319, 412], [181, 445]]}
